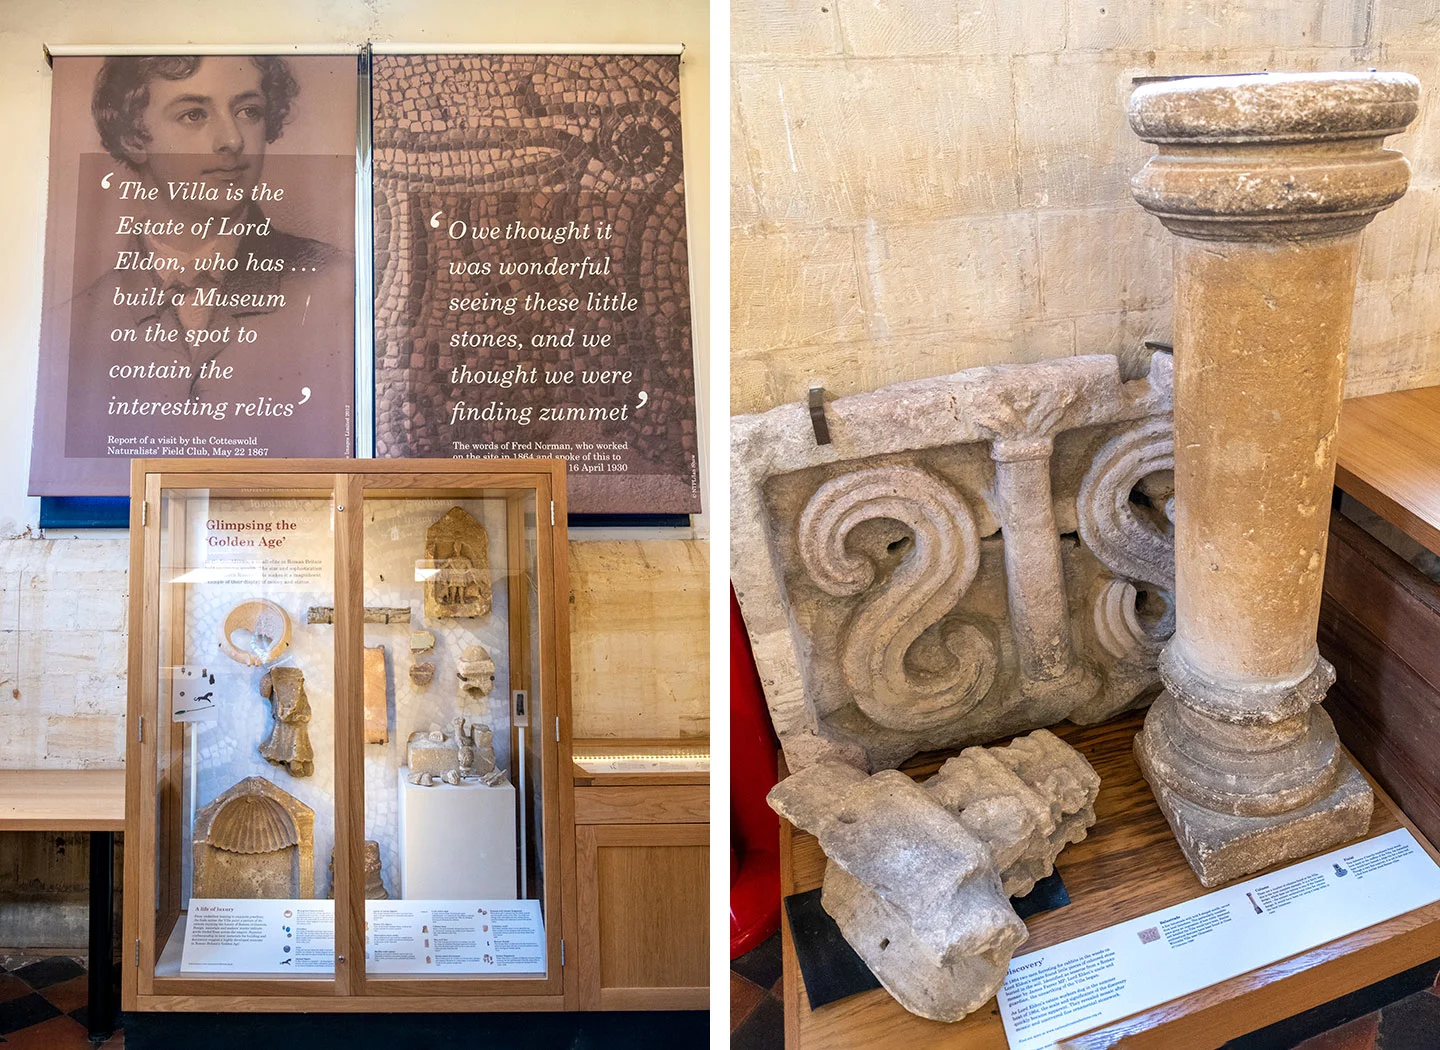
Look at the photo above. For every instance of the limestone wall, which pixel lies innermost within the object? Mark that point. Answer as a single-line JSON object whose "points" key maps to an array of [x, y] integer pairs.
{"points": [[921, 186]]}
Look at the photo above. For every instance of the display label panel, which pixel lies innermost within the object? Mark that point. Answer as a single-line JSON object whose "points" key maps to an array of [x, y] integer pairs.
{"points": [[1080, 984]]}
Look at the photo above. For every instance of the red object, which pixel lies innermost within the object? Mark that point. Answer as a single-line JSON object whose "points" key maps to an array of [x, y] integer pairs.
{"points": [[754, 827]]}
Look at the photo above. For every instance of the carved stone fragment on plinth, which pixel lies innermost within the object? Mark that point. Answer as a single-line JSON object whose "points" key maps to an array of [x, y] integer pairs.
{"points": [[254, 840], [969, 557], [288, 744], [374, 881], [457, 552], [1267, 181], [918, 877]]}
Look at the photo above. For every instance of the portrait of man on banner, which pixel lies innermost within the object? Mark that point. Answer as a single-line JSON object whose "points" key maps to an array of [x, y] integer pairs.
{"points": [[202, 321]]}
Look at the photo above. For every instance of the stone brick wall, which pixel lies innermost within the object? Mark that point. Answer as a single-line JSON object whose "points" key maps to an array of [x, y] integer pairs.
{"points": [[62, 652], [921, 186]]}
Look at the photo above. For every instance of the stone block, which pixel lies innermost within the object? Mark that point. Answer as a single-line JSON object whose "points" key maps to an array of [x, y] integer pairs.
{"points": [[893, 28], [1103, 260], [84, 742], [1203, 25], [1124, 334], [760, 380], [976, 274], [1404, 243], [873, 139], [784, 29], [795, 288]]}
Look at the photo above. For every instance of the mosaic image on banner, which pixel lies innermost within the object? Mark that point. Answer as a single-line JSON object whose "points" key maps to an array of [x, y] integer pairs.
{"points": [[532, 292]]}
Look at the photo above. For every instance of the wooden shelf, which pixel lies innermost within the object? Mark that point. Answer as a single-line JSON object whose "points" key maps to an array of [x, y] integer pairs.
{"points": [[1388, 457], [62, 800], [1129, 865]]}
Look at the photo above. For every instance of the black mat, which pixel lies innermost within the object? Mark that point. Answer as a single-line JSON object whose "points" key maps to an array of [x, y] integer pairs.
{"points": [[1049, 893], [831, 968]]}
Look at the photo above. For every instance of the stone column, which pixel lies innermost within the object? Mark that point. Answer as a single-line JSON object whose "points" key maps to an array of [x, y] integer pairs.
{"points": [[1268, 181]]}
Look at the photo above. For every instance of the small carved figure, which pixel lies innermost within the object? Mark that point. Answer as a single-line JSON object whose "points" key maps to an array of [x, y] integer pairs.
{"points": [[288, 744], [476, 671], [457, 548]]}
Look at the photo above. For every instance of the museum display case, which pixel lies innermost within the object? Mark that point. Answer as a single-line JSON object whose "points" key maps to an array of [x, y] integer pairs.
{"points": [[348, 722]]}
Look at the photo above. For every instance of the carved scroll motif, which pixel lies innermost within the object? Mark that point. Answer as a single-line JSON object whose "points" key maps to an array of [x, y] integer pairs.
{"points": [[1124, 508], [918, 595]]}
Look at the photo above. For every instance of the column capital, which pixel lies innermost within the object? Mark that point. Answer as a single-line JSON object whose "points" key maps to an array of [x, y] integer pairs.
{"points": [[1272, 156]]}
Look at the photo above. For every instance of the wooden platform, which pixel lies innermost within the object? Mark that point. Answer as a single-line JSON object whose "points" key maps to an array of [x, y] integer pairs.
{"points": [[1388, 457], [1129, 865], [62, 800]]}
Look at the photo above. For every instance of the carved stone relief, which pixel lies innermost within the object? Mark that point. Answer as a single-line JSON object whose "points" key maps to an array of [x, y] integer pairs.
{"points": [[970, 557], [457, 550], [254, 840]]}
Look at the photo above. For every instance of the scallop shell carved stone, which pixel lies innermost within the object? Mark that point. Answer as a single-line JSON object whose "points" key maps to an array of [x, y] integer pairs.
{"points": [[253, 824]]}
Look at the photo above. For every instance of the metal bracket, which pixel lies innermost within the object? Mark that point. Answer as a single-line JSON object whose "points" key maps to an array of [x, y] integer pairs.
{"points": [[817, 415]]}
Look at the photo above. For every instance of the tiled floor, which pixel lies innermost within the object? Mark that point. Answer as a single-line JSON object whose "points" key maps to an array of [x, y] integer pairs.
{"points": [[1395, 1021], [42, 1006], [757, 1017]]}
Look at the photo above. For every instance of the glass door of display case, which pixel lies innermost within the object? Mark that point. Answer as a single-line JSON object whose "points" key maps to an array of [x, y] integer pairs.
{"points": [[348, 708], [460, 855], [232, 737]]}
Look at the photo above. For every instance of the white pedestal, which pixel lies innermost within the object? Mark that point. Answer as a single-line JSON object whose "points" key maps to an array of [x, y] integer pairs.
{"points": [[457, 842]]}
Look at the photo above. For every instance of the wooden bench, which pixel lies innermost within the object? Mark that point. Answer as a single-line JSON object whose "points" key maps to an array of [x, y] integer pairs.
{"points": [[90, 800]]}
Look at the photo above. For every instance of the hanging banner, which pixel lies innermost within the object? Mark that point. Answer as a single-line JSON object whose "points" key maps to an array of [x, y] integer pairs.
{"points": [[532, 290], [199, 264]]}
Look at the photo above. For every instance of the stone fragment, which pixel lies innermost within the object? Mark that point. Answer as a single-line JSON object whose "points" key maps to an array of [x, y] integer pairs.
{"points": [[1267, 181], [970, 557], [254, 840], [918, 877], [476, 671], [374, 882], [376, 728], [373, 614], [458, 555], [288, 744], [421, 641], [422, 674]]}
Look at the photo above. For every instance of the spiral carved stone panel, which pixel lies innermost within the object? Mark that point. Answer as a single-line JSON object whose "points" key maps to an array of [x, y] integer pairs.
{"points": [[888, 610], [543, 141]]}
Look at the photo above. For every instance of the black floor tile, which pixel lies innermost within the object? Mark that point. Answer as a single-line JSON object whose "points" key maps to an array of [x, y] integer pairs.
{"points": [[25, 1011], [764, 1029], [46, 972], [760, 965], [1411, 1024]]}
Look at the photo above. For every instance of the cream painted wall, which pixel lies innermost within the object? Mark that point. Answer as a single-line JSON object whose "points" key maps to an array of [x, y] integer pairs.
{"points": [[62, 599], [25, 102]]}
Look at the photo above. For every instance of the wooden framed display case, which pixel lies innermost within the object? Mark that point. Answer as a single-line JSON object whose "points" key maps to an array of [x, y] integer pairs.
{"points": [[348, 774]]}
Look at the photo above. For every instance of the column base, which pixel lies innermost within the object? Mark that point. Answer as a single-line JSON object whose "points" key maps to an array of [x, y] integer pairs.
{"points": [[1222, 847]]}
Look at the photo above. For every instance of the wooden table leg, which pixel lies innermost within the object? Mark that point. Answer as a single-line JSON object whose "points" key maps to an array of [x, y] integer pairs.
{"points": [[101, 1008]]}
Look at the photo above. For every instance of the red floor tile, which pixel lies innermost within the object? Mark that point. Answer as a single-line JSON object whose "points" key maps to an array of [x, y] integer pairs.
{"points": [[58, 1033], [69, 995], [12, 987], [1357, 1035], [744, 997]]}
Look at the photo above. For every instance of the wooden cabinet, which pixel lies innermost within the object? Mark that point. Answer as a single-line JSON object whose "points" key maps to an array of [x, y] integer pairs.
{"points": [[642, 860]]}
